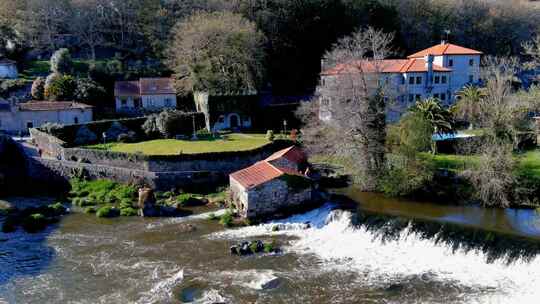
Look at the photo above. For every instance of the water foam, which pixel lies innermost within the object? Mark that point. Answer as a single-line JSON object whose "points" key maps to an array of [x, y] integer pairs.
{"points": [[342, 247]]}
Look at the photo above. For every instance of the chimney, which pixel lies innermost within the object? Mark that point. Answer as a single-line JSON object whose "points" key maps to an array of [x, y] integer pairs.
{"points": [[429, 66]]}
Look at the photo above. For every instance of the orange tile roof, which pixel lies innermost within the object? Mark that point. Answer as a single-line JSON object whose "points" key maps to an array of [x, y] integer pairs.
{"points": [[52, 106], [445, 49], [414, 65], [156, 86], [292, 153], [256, 175], [145, 86]]}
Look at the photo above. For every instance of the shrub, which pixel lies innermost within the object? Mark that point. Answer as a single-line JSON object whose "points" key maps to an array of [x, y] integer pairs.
{"points": [[405, 175], [269, 247], [61, 62], [270, 135], [127, 137], [204, 134], [88, 91], [38, 89], [34, 223], [60, 87], [226, 219], [129, 211], [150, 126], [107, 211]]}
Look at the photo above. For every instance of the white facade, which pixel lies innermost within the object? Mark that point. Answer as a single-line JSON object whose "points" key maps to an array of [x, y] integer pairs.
{"points": [[8, 69], [448, 68], [17, 120]]}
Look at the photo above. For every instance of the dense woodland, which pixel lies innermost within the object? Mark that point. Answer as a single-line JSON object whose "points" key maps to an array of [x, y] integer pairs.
{"points": [[298, 32]]}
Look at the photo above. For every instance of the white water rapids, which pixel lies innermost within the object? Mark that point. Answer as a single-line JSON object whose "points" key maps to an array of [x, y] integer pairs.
{"points": [[342, 247]]}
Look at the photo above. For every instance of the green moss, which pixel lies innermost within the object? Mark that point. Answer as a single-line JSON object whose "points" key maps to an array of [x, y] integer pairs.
{"points": [[128, 212], [57, 209], [226, 219], [107, 211], [90, 210], [269, 247]]}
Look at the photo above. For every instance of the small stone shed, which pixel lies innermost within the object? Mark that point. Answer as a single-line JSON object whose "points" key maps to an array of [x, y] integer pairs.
{"points": [[271, 185]]}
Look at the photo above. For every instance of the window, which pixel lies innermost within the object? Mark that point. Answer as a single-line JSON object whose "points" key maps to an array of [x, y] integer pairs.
{"points": [[418, 80], [471, 62], [418, 97], [451, 62], [76, 120], [411, 80], [443, 96], [123, 102], [471, 78], [437, 79], [443, 79], [29, 125], [221, 119], [411, 97], [402, 79], [0, 123], [436, 96], [168, 102]]}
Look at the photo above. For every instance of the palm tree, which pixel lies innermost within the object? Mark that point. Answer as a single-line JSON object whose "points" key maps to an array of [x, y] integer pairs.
{"points": [[469, 105], [440, 118]]}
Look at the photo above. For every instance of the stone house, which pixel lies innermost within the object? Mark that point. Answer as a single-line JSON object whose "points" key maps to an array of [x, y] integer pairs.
{"points": [[439, 71], [19, 118], [146, 94], [226, 111], [271, 185], [8, 68]]}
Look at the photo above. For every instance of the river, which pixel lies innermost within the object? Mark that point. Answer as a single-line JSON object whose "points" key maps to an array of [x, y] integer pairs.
{"points": [[133, 260]]}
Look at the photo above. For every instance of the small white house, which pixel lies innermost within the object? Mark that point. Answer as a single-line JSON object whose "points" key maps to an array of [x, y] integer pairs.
{"points": [[146, 94], [8, 69], [21, 117]]}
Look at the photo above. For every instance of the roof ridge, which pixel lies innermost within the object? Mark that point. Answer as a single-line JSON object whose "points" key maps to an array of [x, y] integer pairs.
{"points": [[274, 167], [408, 65]]}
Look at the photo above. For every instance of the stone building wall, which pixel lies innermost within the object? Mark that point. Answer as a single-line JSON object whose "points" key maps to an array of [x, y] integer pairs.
{"points": [[272, 197]]}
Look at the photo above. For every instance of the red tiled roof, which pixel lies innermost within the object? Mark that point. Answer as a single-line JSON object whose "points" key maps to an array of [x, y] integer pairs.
{"points": [[52, 106], [292, 153], [126, 88], [445, 49], [157, 86], [257, 174], [414, 65]]}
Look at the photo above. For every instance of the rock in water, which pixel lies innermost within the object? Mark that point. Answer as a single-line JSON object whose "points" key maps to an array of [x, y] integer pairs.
{"points": [[234, 250], [147, 202]]}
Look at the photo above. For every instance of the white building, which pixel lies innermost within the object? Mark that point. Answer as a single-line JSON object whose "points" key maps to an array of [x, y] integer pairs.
{"points": [[8, 68], [147, 94], [21, 117], [439, 71]]}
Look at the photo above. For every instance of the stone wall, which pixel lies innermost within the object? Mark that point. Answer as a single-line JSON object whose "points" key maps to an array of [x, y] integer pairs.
{"points": [[271, 197], [50, 146], [106, 158]]}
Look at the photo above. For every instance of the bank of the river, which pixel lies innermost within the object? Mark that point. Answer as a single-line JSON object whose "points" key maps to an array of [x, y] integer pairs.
{"points": [[86, 259]]}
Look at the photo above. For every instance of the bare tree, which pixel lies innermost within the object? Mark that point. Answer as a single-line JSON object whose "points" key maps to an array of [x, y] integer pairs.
{"points": [[352, 102], [88, 22]]}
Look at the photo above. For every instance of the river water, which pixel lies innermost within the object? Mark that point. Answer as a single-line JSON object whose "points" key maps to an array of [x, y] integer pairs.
{"points": [[135, 260]]}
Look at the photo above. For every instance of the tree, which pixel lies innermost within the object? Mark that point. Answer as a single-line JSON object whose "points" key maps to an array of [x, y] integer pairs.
{"points": [[38, 89], [468, 106], [88, 23], [355, 102], [61, 62], [218, 52], [60, 88], [439, 118], [89, 91]]}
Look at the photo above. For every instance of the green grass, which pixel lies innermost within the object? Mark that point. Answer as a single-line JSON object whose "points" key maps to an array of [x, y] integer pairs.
{"points": [[228, 143], [36, 68], [528, 162]]}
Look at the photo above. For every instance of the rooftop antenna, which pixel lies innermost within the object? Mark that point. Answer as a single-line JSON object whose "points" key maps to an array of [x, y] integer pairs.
{"points": [[447, 37]]}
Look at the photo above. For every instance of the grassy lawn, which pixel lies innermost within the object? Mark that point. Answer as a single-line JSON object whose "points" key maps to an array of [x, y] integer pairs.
{"points": [[228, 143], [528, 162], [36, 68]]}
